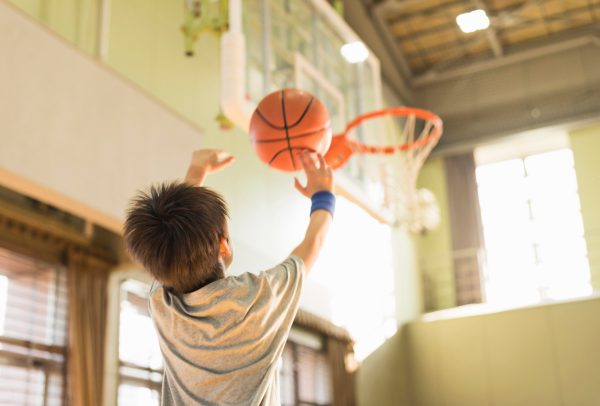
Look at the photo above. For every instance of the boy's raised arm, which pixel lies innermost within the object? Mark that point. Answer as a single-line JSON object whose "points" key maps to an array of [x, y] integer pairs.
{"points": [[205, 161], [319, 188]]}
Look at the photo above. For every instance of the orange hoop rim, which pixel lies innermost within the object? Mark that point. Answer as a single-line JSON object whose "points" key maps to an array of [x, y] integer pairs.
{"points": [[433, 135]]}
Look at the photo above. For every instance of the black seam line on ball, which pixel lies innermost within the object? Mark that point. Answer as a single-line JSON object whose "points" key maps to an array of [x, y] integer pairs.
{"points": [[286, 149], [303, 113], [267, 122], [292, 137], [287, 133]]}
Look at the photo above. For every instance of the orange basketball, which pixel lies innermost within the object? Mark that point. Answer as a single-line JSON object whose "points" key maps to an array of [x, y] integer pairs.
{"points": [[288, 121]]}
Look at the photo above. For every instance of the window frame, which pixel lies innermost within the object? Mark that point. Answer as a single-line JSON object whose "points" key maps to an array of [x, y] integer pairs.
{"points": [[298, 342], [112, 363], [31, 361]]}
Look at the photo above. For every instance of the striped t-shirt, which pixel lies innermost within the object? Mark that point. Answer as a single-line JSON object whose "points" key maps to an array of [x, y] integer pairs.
{"points": [[221, 344]]}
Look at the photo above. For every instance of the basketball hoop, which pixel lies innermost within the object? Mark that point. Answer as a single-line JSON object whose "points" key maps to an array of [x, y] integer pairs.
{"points": [[415, 133]]}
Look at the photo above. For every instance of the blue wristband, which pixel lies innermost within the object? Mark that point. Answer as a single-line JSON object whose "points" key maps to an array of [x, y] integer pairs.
{"points": [[323, 200]]}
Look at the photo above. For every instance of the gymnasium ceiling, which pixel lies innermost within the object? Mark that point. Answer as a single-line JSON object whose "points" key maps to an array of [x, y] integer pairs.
{"points": [[536, 66], [427, 35]]}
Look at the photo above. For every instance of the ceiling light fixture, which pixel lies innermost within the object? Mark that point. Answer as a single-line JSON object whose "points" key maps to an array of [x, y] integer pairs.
{"points": [[354, 52], [473, 21]]}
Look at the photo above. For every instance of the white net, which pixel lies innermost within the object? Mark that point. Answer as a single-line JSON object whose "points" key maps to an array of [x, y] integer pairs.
{"points": [[399, 142]]}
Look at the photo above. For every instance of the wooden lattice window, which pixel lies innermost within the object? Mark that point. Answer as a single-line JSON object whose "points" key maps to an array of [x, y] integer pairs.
{"points": [[33, 331]]}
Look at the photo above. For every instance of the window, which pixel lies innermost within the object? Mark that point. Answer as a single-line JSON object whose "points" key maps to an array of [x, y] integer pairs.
{"points": [[533, 229], [140, 360], [304, 376], [33, 331]]}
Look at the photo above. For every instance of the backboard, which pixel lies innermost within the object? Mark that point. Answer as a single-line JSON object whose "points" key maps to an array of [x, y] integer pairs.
{"points": [[274, 44]]}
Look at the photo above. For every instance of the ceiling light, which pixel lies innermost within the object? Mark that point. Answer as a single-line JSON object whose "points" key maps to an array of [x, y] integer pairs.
{"points": [[355, 52], [473, 21]]}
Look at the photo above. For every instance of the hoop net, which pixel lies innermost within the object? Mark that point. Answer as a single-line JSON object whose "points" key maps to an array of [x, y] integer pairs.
{"points": [[389, 148]]}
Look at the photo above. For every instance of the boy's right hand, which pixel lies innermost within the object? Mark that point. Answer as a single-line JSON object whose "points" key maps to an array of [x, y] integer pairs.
{"points": [[319, 176]]}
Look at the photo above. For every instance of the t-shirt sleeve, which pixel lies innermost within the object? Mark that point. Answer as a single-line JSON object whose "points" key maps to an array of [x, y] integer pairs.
{"points": [[286, 278]]}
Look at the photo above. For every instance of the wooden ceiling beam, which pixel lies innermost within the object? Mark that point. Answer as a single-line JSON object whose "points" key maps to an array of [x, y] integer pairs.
{"points": [[473, 40], [440, 10], [378, 12]]}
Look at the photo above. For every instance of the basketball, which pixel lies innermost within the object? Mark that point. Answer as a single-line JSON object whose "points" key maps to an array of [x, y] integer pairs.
{"points": [[288, 121]]}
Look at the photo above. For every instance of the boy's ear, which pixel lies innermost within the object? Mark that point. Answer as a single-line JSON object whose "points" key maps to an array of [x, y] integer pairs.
{"points": [[224, 248]]}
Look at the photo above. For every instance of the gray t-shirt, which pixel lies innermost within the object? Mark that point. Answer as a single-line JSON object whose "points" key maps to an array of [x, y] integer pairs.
{"points": [[221, 344]]}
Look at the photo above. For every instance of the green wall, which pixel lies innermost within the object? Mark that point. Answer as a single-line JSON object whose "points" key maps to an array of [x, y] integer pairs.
{"points": [[585, 144], [383, 377], [435, 248], [146, 46], [541, 355], [75, 20]]}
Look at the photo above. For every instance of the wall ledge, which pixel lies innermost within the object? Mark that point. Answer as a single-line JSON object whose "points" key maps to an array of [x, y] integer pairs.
{"points": [[483, 309]]}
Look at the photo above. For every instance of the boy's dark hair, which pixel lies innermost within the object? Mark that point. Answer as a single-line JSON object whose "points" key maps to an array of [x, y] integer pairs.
{"points": [[174, 230]]}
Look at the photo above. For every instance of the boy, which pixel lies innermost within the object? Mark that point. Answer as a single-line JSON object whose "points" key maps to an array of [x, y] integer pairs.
{"points": [[221, 337]]}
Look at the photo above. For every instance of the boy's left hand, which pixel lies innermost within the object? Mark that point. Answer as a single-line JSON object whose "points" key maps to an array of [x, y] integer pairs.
{"points": [[205, 161]]}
